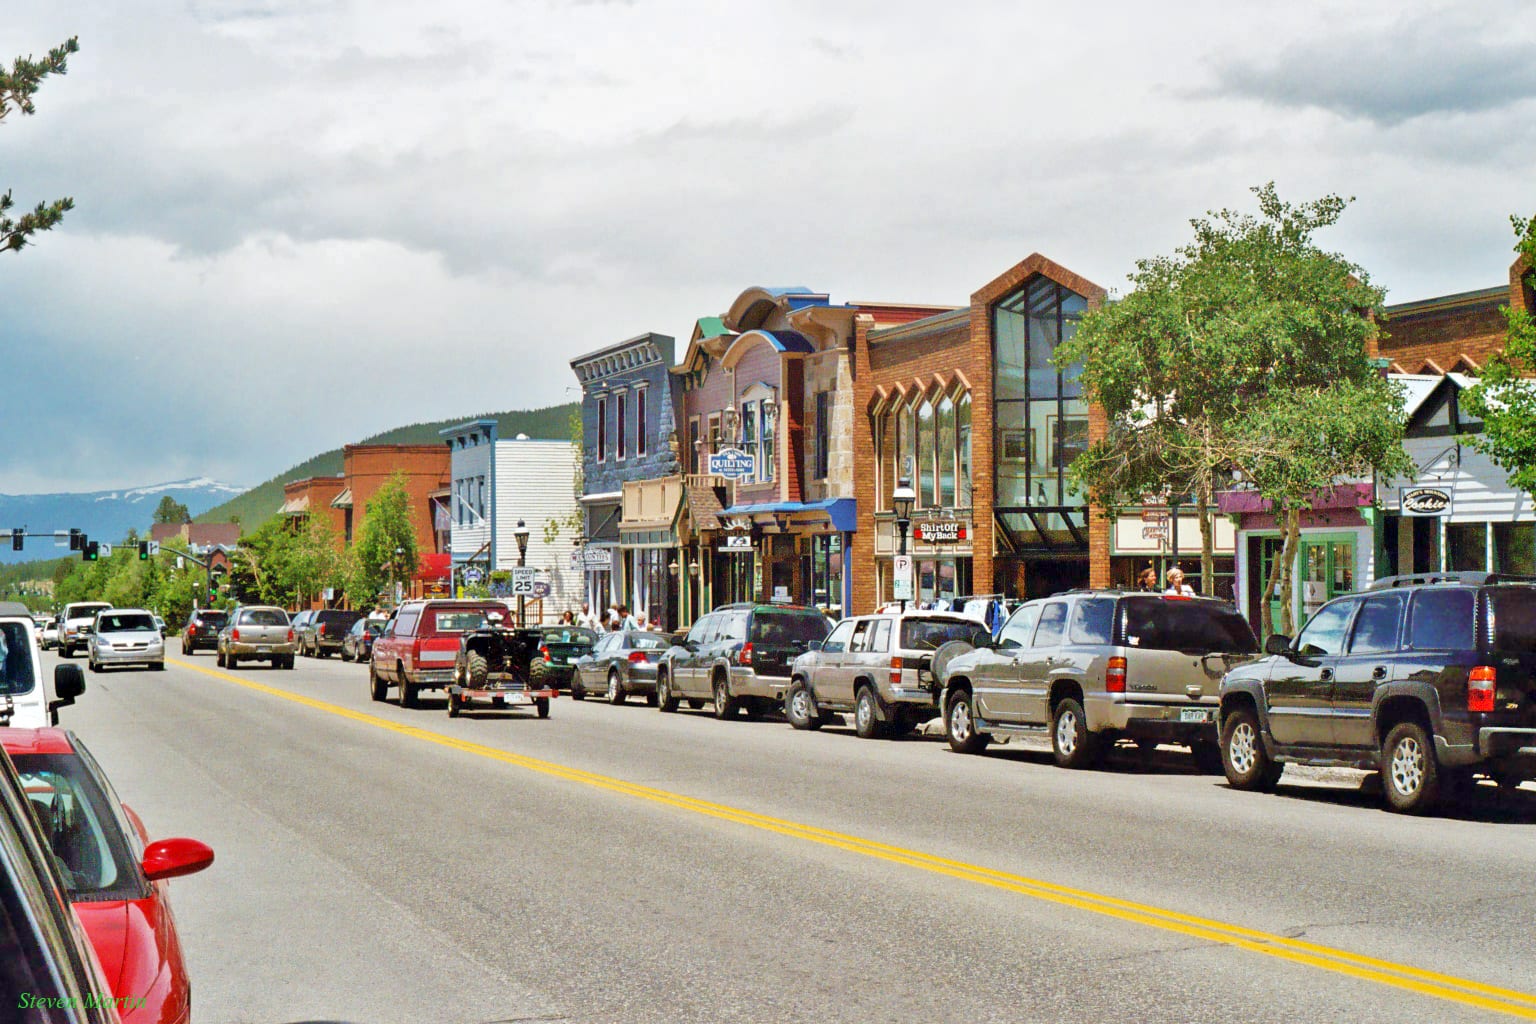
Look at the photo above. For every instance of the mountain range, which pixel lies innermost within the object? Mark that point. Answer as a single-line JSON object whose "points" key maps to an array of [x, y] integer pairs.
{"points": [[102, 515]]}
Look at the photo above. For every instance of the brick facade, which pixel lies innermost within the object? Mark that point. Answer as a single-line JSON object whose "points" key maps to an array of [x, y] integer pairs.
{"points": [[426, 468]]}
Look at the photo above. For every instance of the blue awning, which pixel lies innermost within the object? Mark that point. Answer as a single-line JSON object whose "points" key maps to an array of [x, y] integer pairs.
{"points": [[843, 512]]}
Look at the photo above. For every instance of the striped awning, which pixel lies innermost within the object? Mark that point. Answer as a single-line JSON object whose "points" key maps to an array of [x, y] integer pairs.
{"points": [[342, 500], [295, 506]]}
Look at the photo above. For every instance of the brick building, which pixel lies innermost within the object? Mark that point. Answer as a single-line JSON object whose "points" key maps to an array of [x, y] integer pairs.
{"points": [[1454, 333]]}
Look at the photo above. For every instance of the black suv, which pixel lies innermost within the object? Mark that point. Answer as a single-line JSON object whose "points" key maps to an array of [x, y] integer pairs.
{"points": [[738, 657], [323, 632], [202, 629], [1429, 679]]}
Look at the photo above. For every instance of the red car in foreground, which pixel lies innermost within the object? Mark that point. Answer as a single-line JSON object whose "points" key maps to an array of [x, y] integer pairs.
{"points": [[116, 878]]}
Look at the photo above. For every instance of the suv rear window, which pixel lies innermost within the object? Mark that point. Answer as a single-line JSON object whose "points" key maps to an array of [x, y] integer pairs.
{"points": [[1441, 620], [454, 620], [338, 615], [1198, 627], [15, 659], [931, 634], [1512, 617], [264, 617], [211, 618], [787, 627]]}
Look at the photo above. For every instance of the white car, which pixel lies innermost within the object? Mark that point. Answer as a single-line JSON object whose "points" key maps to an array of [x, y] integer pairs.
{"points": [[125, 636], [24, 703], [48, 635], [75, 625]]}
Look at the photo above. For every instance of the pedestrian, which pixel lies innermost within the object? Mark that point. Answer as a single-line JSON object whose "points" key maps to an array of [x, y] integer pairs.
{"points": [[1147, 581], [586, 620], [567, 619], [1176, 585], [627, 620]]}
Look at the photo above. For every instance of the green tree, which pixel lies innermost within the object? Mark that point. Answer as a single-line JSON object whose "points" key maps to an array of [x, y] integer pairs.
{"points": [[18, 86], [172, 511], [1504, 397], [1250, 313], [385, 552]]}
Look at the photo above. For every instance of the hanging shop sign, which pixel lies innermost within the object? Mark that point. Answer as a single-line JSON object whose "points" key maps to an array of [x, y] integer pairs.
{"points": [[940, 531], [1426, 501], [737, 542], [732, 463]]}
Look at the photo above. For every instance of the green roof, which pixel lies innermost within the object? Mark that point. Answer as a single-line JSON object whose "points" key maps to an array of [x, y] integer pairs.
{"points": [[711, 327]]}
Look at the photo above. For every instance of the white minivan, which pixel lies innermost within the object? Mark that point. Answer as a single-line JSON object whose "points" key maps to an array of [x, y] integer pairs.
{"points": [[24, 702]]}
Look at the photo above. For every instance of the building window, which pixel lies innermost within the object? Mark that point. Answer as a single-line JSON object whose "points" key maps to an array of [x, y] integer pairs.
{"points": [[695, 450], [602, 430], [903, 452], [766, 434], [621, 422], [931, 447], [822, 439], [963, 498], [1466, 547], [749, 437], [640, 443], [882, 461], [714, 434], [923, 479]]}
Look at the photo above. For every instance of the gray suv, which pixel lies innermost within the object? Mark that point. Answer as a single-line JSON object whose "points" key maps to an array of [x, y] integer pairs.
{"points": [[1095, 666], [880, 667], [738, 657]]}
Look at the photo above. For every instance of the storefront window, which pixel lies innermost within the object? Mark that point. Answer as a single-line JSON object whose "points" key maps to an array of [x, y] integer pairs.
{"points": [[963, 451], [931, 445], [925, 456], [1466, 547], [946, 454], [749, 436], [827, 572], [1514, 548]]}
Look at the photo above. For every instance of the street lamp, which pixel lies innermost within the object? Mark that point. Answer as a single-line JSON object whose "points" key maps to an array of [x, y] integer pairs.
{"points": [[902, 500], [521, 536], [728, 425]]}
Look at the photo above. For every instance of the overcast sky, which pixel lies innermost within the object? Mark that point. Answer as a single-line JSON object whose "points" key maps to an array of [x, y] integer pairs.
{"points": [[300, 222]]}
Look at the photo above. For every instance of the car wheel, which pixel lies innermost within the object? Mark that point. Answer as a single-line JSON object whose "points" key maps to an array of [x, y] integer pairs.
{"points": [[377, 688], [1243, 758], [665, 701], [218, 656], [541, 705], [1207, 757], [288, 662], [90, 663], [726, 706], [615, 688], [231, 660], [407, 691], [960, 725], [1410, 773], [453, 705], [65, 652], [650, 698], [157, 666], [1071, 743], [800, 707], [578, 692], [866, 714], [477, 670]]}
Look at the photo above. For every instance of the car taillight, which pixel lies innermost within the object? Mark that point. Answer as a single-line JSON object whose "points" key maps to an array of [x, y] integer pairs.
{"points": [[234, 635], [290, 636], [744, 656], [544, 652], [895, 671], [1480, 687], [636, 657], [1114, 676]]}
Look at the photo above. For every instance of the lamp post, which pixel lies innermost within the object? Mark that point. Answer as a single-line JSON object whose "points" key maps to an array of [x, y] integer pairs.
{"points": [[521, 536], [902, 500]]}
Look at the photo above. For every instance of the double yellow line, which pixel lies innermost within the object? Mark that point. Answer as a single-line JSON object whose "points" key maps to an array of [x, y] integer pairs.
{"points": [[1327, 958]]}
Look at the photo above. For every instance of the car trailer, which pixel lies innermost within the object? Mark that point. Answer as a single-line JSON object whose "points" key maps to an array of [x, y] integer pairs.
{"points": [[493, 665]]}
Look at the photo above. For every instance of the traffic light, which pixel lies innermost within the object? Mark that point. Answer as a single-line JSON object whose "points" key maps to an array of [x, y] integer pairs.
{"points": [[18, 539], [76, 540], [143, 550], [89, 549]]}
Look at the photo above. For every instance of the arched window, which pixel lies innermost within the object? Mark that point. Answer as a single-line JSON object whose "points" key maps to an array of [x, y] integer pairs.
{"points": [[945, 450], [963, 497], [903, 444], [925, 456]]}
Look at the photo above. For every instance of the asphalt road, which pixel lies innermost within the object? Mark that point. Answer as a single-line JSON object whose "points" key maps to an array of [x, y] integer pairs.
{"points": [[618, 864]]}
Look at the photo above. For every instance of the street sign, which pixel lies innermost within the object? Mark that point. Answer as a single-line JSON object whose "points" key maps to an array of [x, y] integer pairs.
{"points": [[473, 575], [541, 588], [902, 578], [523, 580], [732, 463], [104, 549], [154, 547]]}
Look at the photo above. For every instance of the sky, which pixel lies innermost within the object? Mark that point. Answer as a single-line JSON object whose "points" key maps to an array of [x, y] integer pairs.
{"points": [[301, 222]]}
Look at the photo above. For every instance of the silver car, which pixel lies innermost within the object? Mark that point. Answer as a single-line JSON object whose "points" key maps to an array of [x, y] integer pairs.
{"points": [[257, 633], [125, 636]]}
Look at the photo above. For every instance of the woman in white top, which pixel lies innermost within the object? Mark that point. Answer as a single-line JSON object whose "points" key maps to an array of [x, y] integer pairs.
{"points": [[1176, 585]]}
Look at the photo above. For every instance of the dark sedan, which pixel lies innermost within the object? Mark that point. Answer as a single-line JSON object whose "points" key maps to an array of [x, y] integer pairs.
{"points": [[357, 645], [620, 664], [556, 659]]}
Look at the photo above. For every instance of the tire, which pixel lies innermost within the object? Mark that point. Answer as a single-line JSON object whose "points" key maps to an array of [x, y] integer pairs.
{"points": [[541, 705], [538, 673], [407, 691], [184, 650], [1410, 772], [866, 714], [650, 698], [288, 663], [218, 657], [615, 688], [91, 664], [800, 707], [726, 706], [665, 701], [158, 666], [960, 725], [377, 688], [1072, 745], [578, 692], [1208, 759], [453, 705], [231, 660], [1243, 758], [66, 652], [476, 670]]}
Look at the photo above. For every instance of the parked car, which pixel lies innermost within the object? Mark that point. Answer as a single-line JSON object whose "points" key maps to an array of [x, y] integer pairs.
{"points": [[159, 625], [257, 633], [620, 664], [125, 636], [23, 702], [738, 656], [325, 631], [420, 644], [1094, 666], [47, 954], [562, 647], [300, 621], [1429, 680], [115, 878], [880, 668], [75, 625], [202, 629], [357, 645]]}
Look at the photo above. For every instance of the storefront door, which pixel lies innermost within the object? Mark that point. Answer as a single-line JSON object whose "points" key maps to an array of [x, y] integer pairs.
{"points": [[1327, 570]]}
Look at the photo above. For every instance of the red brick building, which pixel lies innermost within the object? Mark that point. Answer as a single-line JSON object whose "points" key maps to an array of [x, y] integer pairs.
{"points": [[1454, 333]]}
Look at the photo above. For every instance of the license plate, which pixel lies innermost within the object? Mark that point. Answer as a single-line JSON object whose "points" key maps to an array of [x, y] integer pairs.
{"points": [[1194, 715], [263, 648]]}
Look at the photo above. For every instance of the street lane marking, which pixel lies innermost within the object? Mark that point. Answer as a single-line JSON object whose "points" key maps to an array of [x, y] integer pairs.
{"points": [[1385, 972]]}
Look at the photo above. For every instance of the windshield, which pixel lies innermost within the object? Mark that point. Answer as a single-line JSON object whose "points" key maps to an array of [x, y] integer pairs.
{"points": [[569, 635], [15, 659], [78, 825], [931, 634], [773, 627], [1512, 615], [264, 617], [121, 622], [1195, 627], [84, 611]]}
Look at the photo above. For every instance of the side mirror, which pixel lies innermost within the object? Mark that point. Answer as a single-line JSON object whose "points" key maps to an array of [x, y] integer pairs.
{"points": [[171, 858], [814, 645], [68, 683], [1278, 643]]}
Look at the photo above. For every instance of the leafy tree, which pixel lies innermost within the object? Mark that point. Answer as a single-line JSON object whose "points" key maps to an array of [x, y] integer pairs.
{"points": [[1504, 397], [172, 511], [1243, 324], [17, 88], [386, 546]]}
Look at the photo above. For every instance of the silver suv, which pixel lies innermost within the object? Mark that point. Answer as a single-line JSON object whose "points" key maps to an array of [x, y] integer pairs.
{"points": [[880, 668], [1094, 666]]}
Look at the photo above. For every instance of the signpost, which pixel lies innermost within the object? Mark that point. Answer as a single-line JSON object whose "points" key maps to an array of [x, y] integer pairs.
{"points": [[901, 581], [473, 575], [732, 463]]}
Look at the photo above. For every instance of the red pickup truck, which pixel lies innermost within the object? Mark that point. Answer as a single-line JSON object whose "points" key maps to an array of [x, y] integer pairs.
{"points": [[420, 644]]}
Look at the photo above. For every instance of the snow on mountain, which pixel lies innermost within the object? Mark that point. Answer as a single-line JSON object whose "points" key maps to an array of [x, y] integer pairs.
{"points": [[103, 515]]}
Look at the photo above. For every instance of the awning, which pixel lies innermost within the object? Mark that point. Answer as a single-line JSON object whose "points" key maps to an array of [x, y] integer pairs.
{"points": [[295, 506], [843, 512], [342, 500]]}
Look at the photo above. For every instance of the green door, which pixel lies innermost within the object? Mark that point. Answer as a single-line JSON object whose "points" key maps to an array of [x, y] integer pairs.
{"points": [[1327, 569]]}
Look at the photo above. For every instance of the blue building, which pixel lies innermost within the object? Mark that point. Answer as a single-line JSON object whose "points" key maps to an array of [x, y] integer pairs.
{"points": [[630, 472]]}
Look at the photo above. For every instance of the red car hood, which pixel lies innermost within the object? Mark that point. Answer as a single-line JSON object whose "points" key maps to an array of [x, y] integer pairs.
{"points": [[135, 940]]}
